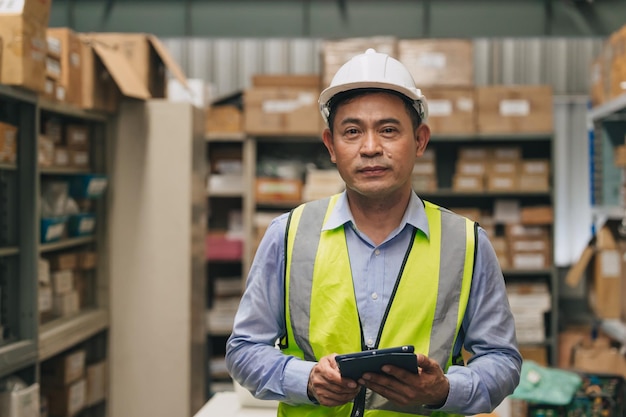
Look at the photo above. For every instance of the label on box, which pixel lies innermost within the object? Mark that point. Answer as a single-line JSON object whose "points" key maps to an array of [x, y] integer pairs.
{"points": [[60, 93], [49, 86], [96, 186], [435, 60], [63, 281], [288, 106], [439, 108], [610, 264], [54, 45], [38, 48], [55, 231], [87, 225], [45, 298], [61, 157], [529, 261], [76, 400], [514, 108], [75, 59], [11, 6], [53, 67], [465, 104]]}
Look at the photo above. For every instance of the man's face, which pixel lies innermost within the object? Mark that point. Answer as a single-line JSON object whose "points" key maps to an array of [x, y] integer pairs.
{"points": [[374, 144]]}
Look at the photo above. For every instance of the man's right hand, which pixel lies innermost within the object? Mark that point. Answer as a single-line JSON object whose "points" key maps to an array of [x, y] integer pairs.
{"points": [[327, 386]]}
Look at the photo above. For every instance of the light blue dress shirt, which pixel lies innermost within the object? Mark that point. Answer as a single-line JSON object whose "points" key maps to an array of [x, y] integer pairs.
{"points": [[488, 329]]}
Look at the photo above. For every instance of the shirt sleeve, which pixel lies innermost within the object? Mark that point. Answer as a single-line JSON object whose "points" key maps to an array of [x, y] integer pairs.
{"points": [[488, 334], [252, 358]]}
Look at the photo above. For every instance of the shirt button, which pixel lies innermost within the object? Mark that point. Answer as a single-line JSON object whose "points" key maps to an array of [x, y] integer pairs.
{"points": [[374, 296], [370, 342], [377, 252]]}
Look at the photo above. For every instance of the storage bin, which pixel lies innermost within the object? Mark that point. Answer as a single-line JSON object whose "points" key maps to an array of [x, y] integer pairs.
{"points": [[53, 228], [82, 224], [88, 186]]}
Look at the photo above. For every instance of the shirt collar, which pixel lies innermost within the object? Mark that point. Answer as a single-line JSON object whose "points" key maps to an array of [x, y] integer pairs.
{"points": [[415, 214]]}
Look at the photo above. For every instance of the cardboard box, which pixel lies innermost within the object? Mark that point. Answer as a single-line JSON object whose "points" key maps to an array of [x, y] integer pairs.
{"points": [[515, 109], [44, 298], [20, 403], [223, 119], [67, 303], [61, 156], [451, 110], [79, 158], [63, 261], [62, 281], [603, 264], [472, 183], [64, 369], [23, 31], [598, 357], [68, 49], [499, 167], [507, 153], [87, 260], [534, 182], [67, 400], [270, 190], [77, 136], [537, 215], [8, 143], [475, 154], [148, 58], [282, 111], [45, 151], [107, 76], [471, 167], [438, 62], [502, 182], [96, 383]]}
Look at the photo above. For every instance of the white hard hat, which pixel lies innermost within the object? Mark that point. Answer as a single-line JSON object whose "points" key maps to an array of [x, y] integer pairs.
{"points": [[374, 70]]}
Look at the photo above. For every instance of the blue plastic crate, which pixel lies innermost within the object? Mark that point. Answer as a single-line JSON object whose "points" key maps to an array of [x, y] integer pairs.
{"points": [[53, 228], [88, 186], [82, 224]]}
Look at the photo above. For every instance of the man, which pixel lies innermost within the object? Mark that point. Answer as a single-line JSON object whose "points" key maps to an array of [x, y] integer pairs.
{"points": [[375, 267]]}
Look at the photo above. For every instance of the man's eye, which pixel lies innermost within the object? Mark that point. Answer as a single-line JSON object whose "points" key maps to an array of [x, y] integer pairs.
{"points": [[388, 130], [351, 132]]}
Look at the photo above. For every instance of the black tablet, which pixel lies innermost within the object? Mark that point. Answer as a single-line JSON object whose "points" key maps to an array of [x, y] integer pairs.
{"points": [[354, 365]]}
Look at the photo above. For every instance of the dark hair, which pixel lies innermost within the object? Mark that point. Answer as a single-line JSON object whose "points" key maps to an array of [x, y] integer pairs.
{"points": [[345, 96]]}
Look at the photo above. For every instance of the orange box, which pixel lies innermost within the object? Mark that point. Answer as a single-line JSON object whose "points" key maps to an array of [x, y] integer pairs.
{"points": [[269, 190]]}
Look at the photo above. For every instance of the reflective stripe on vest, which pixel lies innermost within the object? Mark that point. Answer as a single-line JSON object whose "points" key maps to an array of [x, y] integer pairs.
{"points": [[321, 312]]}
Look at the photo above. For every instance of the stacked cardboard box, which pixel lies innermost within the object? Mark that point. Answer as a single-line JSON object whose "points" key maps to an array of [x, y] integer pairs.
{"points": [[530, 247], [471, 167], [64, 55], [444, 70], [529, 303], [283, 105], [514, 109], [23, 26], [63, 383], [424, 177], [608, 71]]}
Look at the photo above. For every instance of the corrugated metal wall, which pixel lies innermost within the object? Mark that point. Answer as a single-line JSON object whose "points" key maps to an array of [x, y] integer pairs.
{"points": [[229, 63], [563, 63]]}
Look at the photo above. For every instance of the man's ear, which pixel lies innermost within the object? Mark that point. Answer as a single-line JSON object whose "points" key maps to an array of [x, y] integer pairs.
{"points": [[327, 138], [422, 136]]}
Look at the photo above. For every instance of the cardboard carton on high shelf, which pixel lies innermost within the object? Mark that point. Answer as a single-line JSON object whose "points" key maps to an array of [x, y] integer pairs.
{"points": [[107, 76], [20, 403], [64, 43], [148, 58], [64, 369], [616, 67], [337, 52], [66, 400], [23, 31], [451, 110], [283, 105], [514, 109], [438, 62]]}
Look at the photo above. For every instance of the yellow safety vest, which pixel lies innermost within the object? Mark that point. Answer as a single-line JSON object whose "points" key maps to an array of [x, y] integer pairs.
{"points": [[320, 306]]}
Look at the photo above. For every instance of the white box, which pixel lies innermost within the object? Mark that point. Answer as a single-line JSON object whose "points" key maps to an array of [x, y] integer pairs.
{"points": [[20, 403]]}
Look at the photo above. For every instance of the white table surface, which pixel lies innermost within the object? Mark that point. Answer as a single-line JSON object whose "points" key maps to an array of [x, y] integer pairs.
{"points": [[226, 404]]}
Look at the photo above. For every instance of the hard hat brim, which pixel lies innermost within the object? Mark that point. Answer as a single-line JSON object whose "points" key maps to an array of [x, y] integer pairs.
{"points": [[330, 92]]}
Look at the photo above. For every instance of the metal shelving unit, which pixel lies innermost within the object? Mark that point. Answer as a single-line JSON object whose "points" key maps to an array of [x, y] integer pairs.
{"points": [[25, 342]]}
